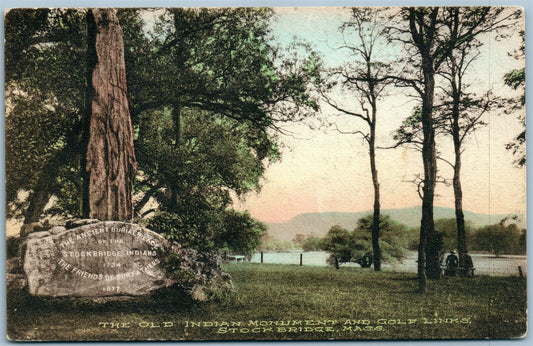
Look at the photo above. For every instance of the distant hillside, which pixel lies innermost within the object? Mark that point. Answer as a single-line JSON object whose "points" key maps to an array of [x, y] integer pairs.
{"points": [[319, 223]]}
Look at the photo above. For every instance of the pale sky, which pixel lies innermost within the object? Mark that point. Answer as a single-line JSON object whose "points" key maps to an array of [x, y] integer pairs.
{"points": [[326, 171]]}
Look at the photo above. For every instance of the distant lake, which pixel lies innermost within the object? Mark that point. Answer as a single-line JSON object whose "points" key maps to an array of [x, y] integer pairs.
{"points": [[311, 258], [485, 264]]}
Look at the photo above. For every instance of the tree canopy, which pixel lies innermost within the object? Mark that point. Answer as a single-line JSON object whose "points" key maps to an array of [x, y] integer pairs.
{"points": [[206, 90]]}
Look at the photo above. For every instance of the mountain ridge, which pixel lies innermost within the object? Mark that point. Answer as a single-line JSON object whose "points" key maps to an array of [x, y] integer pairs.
{"points": [[319, 223]]}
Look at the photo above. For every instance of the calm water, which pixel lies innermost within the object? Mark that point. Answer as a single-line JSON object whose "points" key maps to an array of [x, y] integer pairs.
{"points": [[311, 258], [484, 264]]}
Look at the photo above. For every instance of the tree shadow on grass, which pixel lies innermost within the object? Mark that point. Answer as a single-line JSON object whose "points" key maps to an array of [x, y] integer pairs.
{"points": [[168, 300], [414, 278]]}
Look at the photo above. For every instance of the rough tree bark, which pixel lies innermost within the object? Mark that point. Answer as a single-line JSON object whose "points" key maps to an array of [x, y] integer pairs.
{"points": [[376, 250], [110, 153]]}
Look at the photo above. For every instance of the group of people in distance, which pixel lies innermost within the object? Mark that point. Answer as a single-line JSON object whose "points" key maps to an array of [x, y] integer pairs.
{"points": [[462, 265]]}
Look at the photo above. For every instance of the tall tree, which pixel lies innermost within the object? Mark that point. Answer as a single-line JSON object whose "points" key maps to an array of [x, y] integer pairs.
{"points": [[431, 35], [422, 27], [458, 113], [365, 78], [110, 154], [50, 69], [200, 64], [463, 112]]}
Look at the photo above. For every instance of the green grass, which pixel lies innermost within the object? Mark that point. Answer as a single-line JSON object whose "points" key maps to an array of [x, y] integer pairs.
{"points": [[276, 302]]}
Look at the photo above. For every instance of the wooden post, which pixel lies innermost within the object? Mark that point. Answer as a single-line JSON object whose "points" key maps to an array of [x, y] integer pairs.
{"points": [[261, 257], [520, 272], [301, 259]]}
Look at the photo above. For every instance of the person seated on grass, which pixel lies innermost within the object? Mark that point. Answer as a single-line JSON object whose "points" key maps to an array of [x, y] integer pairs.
{"points": [[451, 264]]}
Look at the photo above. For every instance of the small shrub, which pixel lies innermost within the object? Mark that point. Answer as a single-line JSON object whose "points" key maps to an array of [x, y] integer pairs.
{"points": [[199, 275]]}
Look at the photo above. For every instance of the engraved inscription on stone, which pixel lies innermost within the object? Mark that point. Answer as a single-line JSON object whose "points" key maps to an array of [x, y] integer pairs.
{"points": [[100, 259]]}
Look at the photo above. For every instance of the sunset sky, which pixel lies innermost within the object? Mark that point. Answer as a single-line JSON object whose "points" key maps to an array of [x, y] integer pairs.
{"points": [[322, 170]]}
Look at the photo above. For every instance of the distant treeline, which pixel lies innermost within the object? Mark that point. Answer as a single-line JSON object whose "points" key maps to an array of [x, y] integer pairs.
{"points": [[396, 238]]}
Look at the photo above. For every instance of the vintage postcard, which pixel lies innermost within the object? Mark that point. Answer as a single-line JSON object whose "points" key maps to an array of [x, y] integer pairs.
{"points": [[256, 173]]}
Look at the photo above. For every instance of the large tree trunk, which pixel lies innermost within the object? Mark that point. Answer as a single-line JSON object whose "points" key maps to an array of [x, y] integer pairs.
{"points": [[376, 216], [110, 155]]}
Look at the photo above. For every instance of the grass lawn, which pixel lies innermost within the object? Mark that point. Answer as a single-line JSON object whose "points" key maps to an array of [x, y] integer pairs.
{"points": [[280, 302]]}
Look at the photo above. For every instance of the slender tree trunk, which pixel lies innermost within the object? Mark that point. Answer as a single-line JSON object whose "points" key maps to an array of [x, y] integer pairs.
{"points": [[376, 216], [459, 215], [457, 189], [428, 254], [110, 155], [427, 227], [423, 35]]}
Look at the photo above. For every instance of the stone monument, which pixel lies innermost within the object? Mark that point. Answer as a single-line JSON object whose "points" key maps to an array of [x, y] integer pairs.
{"points": [[97, 259]]}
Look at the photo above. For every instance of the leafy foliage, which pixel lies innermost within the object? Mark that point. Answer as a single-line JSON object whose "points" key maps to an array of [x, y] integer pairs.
{"points": [[500, 239], [241, 233], [447, 228], [393, 237], [516, 79], [197, 274], [45, 90], [339, 243], [350, 246], [213, 156], [233, 230], [311, 243], [270, 244], [175, 227]]}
